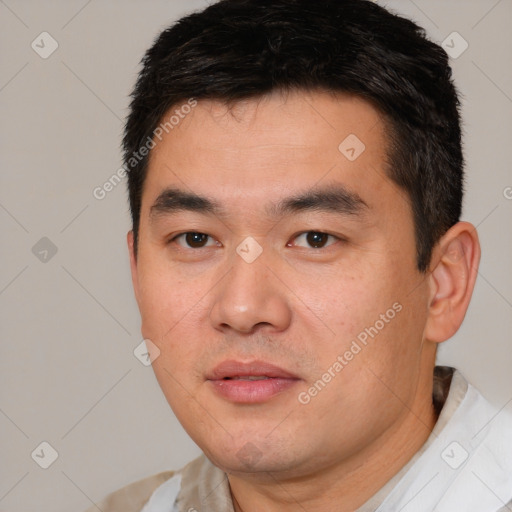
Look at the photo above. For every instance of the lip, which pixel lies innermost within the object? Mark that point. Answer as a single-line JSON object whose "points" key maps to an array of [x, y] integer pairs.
{"points": [[227, 379]]}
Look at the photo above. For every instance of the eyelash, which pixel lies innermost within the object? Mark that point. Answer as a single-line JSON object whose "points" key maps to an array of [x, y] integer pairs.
{"points": [[177, 237], [306, 233], [295, 237]]}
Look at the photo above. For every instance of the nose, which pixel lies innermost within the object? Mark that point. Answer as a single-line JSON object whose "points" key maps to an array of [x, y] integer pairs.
{"points": [[251, 297]]}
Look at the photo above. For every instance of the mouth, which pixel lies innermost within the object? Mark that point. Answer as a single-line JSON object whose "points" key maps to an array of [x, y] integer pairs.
{"points": [[253, 382], [249, 377]]}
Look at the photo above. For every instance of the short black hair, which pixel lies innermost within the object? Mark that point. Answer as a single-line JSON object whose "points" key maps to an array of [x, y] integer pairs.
{"points": [[241, 49]]}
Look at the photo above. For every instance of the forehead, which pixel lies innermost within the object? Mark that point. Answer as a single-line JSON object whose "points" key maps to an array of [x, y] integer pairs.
{"points": [[294, 118], [266, 147]]}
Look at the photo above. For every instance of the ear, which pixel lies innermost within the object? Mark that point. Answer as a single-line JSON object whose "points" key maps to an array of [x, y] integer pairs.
{"points": [[451, 281], [133, 264]]}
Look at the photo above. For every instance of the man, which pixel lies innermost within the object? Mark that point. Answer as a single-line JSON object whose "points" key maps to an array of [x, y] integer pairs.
{"points": [[295, 180]]}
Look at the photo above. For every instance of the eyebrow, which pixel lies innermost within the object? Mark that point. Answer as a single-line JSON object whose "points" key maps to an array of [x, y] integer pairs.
{"points": [[335, 198], [173, 200]]}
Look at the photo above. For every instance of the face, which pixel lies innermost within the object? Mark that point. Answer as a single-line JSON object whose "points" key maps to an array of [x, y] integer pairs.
{"points": [[276, 274]]}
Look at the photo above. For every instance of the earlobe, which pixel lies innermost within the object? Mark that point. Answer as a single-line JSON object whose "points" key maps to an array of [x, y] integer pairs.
{"points": [[452, 279]]}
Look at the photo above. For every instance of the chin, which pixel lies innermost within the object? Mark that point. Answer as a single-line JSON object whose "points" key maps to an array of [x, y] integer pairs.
{"points": [[246, 456]]}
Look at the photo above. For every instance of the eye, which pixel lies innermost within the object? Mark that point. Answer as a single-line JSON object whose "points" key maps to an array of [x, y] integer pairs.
{"points": [[314, 239], [193, 240]]}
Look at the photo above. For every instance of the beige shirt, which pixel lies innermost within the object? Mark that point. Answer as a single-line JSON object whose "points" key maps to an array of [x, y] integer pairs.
{"points": [[205, 488]]}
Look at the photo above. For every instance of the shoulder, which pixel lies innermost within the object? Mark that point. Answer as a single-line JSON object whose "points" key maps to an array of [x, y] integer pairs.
{"points": [[477, 451], [132, 497]]}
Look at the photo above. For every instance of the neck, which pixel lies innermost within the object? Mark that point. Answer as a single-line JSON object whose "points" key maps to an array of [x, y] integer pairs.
{"points": [[349, 484]]}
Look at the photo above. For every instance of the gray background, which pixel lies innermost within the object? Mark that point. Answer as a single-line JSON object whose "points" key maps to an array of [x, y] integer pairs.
{"points": [[69, 321]]}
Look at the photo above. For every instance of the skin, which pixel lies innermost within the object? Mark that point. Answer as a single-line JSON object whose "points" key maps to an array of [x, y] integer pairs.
{"points": [[296, 306]]}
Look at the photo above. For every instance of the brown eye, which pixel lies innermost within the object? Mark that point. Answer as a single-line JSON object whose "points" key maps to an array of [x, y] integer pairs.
{"points": [[193, 240], [317, 240], [314, 240], [196, 240]]}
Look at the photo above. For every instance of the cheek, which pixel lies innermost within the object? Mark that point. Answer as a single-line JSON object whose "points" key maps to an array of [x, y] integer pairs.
{"points": [[369, 318], [344, 302], [167, 298], [385, 371], [175, 312]]}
